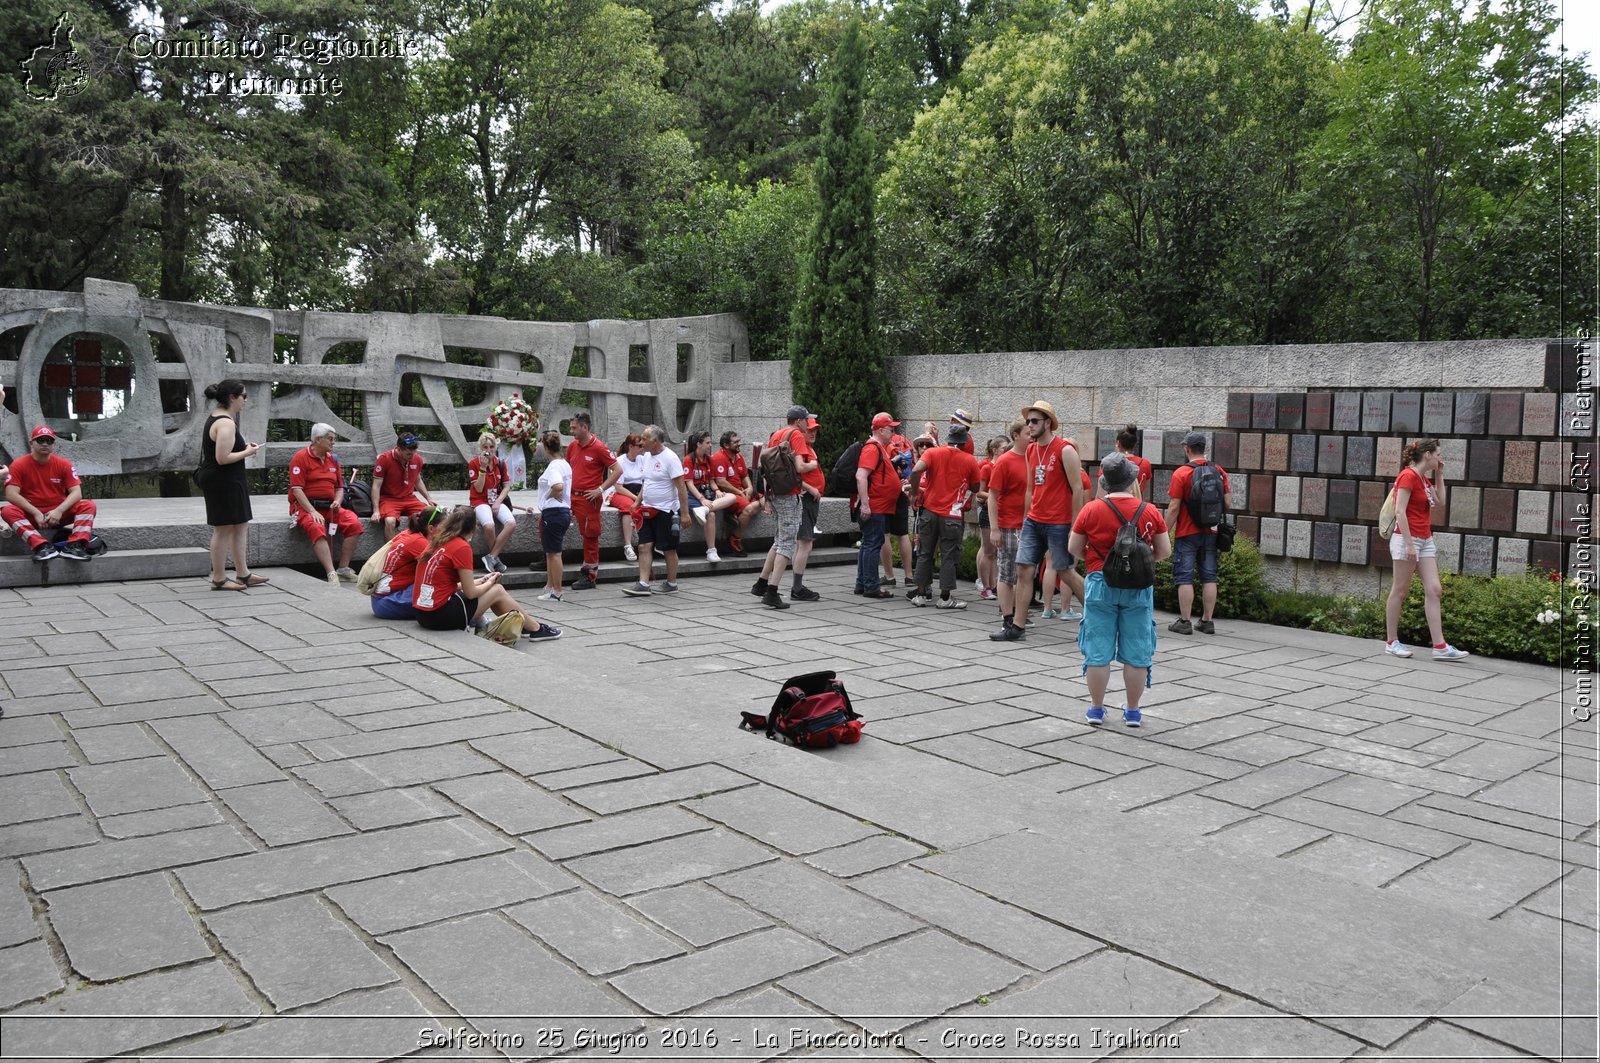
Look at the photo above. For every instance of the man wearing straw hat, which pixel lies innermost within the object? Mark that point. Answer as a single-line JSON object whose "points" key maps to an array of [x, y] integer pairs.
{"points": [[1055, 493]]}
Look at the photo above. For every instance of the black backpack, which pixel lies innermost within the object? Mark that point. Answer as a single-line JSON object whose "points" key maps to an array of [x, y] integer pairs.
{"points": [[1207, 502], [1131, 563], [358, 496], [842, 480]]}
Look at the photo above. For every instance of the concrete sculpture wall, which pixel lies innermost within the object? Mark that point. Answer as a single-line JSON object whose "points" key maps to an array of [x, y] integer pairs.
{"points": [[203, 343]]}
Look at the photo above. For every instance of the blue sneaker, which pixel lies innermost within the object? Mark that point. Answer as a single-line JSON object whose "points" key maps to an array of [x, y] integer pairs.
{"points": [[1048, 614], [1132, 718], [1096, 715]]}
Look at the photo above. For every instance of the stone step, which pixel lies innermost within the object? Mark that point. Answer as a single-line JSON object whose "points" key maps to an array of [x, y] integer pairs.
{"points": [[115, 566]]}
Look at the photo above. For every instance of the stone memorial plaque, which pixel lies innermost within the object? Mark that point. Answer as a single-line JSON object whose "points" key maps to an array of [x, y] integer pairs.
{"points": [[1505, 413], [1521, 461], [1533, 512], [1453, 452], [1327, 541], [1472, 413], [1238, 492], [1262, 493], [1291, 410], [1172, 452], [1314, 496], [1264, 410], [1303, 453], [1512, 558], [1347, 411], [1465, 506], [1539, 413], [1297, 538], [1275, 453], [1358, 455], [1449, 546], [1577, 415], [1249, 450], [1342, 500], [1388, 456], [1369, 498], [1330, 455], [1555, 464], [1477, 555], [1499, 509], [1319, 411], [1438, 413], [1225, 449], [1286, 499], [1249, 527], [1105, 441], [1483, 460], [1546, 555], [1378, 551], [1159, 485], [1354, 543], [1239, 404], [1272, 536], [1375, 411], [1406, 413]]}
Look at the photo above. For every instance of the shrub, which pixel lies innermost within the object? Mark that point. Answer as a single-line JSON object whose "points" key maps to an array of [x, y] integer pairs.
{"points": [[1241, 586]]}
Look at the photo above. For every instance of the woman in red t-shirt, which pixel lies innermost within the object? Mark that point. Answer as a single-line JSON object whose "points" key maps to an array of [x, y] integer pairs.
{"points": [[1418, 489], [445, 584], [986, 549]]}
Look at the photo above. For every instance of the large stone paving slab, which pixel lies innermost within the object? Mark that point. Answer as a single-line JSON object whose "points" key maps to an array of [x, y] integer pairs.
{"points": [[395, 902], [689, 981], [296, 952], [668, 863], [780, 819], [124, 927], [593, 934], [816, 905]]}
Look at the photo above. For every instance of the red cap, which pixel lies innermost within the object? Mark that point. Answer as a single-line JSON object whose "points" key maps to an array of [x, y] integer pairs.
{"points": [[811, 422], [884, 419], [44, 431]]}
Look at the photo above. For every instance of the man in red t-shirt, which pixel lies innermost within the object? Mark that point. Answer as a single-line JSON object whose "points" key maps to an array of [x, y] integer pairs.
{"points": [[43, 491], [1055, 494], [878, 489], [941, 480], [731, 476], [594, 468], [1006, 504], [964, 419], [1193, 546], [899, 519], [789, 512], [316, 503], [396, 483]]}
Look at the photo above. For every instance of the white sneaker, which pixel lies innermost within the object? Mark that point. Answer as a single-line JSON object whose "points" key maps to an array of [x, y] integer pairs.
{"points": [[348, 575], [919, 600], [630, 553], [699, 514], [1450, 653], [977, 586], [713, 557], [949, 603], [333, 578], [1396, 649], [549, 596]]}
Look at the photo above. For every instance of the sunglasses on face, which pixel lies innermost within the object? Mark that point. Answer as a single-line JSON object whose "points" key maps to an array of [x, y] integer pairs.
{"points": [[45, 442], [1036, 420]]}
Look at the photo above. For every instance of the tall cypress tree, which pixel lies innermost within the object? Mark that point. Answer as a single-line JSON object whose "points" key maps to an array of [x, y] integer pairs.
{"points": [[836, 356]]}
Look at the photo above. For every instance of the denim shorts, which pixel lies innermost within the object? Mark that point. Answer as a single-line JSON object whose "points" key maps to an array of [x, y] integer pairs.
{"points": [[1037, 537], [396, 606], [1189, 549], [1117, 624]]}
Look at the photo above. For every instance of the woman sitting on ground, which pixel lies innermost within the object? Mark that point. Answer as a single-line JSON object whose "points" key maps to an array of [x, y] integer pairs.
{"points": [[391, 598], [445, 584]]}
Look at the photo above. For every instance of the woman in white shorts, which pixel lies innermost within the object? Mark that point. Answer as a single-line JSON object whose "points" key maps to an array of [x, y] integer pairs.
{"points": [[1418, 489], [487, 494]]}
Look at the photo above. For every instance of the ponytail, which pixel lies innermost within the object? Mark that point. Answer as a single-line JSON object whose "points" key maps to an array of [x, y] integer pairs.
{"points": [[457, 525], [1414, 451]]}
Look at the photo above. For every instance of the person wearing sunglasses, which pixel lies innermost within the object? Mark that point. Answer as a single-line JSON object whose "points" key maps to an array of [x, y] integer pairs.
{"points": [[44, 493]]}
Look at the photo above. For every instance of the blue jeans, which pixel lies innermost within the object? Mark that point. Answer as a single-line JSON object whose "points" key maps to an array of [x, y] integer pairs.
{"points": [[872, 530]]}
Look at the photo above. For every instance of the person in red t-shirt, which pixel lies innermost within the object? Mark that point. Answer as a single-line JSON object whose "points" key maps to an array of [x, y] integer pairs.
{"points": [[705, 501], [731, 476], [448, 597], [43, 491], [1193, 546], [1127, 440], [980, 499], [878, 487], [899, 526], [392, 595], [1118, 622], [790, 514], [594, 470], [397, 483], [316, 503], [487, 491], [1055, 493], [964, 419], [1006, 506], [942, 479], [1417, 491]]}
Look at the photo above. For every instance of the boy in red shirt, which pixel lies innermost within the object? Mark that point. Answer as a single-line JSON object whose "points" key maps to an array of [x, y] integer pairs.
{"points": [[943, 478], [878, 488], [1007, 495], [1193, 546], [396, 483], [43, 491]]}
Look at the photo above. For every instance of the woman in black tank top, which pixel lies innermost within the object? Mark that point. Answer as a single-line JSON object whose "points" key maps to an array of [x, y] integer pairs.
{"points": [[222, 481]]}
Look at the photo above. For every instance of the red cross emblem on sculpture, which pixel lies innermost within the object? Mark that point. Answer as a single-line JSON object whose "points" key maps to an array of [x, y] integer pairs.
{"points": [[87, 378]]}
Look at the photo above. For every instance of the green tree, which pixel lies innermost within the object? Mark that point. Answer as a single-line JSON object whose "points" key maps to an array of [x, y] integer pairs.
{"points": [[835, 349]]}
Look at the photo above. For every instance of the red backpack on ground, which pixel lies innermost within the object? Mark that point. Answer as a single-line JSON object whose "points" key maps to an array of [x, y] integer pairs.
{"points": [[811, 710]]}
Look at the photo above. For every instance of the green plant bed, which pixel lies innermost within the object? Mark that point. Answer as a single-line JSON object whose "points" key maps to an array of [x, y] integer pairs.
{"points": [[1241, 584]]}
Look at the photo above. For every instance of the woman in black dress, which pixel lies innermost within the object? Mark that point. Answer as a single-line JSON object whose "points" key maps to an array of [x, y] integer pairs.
{"points": [[221, 479]]}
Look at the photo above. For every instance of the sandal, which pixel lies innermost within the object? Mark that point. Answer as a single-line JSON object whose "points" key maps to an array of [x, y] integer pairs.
{"points": [[227, 585], [253, 580]]}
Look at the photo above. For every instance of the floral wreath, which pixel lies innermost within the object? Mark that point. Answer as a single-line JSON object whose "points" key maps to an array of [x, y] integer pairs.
{"points": [[513, 421]]}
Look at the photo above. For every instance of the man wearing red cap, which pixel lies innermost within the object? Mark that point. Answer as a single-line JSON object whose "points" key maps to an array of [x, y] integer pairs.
{"points": [[878, 488], [44, 492]]}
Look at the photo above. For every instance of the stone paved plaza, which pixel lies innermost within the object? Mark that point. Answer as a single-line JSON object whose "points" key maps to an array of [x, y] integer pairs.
{"points": [[269, 826]]}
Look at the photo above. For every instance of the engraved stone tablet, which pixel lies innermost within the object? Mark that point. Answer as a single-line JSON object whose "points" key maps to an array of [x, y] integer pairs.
{"points": [[1438, 413], [1263, 496], [1249, 450], [1375, 411], [1577, 415], [1330, 455], [1303, 453], [1105, 441], [1477, 555], [1378, 552], [1472, 413], [1505, 413], [1272, 536], [1314, 496], [1546, 555], [1465, 505], [1512, 559], [1326, 541], [1291, 410], [1449, 546], [1319, 411], [1533, 512], [1358, 454], [1287, 497], [1159, 485], [1275, 453], [1406, 413], [1264, 410], [1369, 498], [1172, 452], [1483, 460], [1249, 527], [1353, 547], [1554, 463], [1388, 456], [1539, 413], [1521, 461], [1225, 449], [1342, 500], [1297, 538], [1499, 509], [1454, 454], [1238, 492], [1239, 403], [1347, 411]]}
